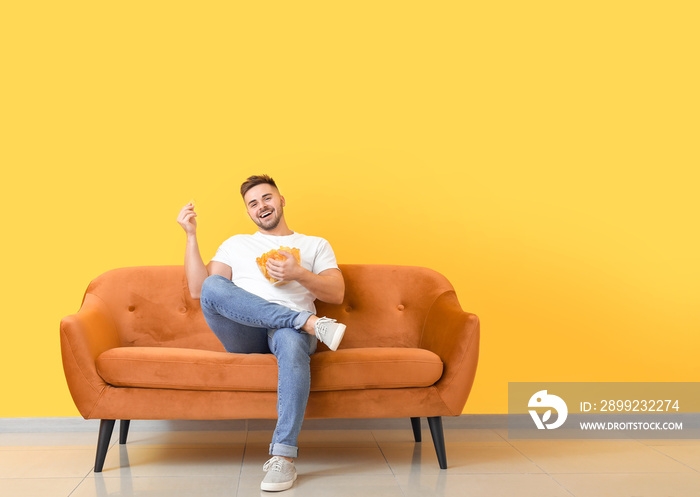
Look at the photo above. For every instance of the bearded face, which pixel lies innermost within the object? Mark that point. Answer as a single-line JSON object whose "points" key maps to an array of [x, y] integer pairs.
{"points": [[269, 218], [265, 206]]}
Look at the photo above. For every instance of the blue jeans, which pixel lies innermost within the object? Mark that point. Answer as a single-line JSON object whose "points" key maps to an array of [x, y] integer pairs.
{"points": [[248, 324]]}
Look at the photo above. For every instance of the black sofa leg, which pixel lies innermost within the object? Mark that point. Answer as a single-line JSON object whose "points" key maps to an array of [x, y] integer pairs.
{"points": [[123, 430], [438, 440], [106, 429], [415, 424]]}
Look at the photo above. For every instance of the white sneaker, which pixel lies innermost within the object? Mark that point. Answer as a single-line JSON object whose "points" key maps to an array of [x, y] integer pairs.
{"points": [[329, 332], [281, 475]]}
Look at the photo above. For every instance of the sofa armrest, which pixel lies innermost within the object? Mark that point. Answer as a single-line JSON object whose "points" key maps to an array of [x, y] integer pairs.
{"points": [[84, 336], [453, 335]]}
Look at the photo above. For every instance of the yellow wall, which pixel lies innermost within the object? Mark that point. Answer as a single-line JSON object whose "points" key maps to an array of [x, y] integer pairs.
{"points": [[542, 155]]}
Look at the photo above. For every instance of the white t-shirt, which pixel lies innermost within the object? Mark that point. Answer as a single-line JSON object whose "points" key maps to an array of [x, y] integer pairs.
{"points": [[240, 252]]}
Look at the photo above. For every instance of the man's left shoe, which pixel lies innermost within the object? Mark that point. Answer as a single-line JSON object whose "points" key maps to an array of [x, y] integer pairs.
{"points": [[329, 331], [281, 475]]}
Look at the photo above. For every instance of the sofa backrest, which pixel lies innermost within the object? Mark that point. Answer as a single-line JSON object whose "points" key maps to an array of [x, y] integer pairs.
{"points": [[151, 306], [384, 306]]}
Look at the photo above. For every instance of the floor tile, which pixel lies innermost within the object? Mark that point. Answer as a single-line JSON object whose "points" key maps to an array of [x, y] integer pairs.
{"points": [[209, 486], [631, 484], [451, 436], [399, 436], [453, 485], [461, 458], [314, 485], [322, 461], [686, 454], [135, 461], [54, 463], [680, 441], [191, 439], [336, 438], [501, 432], [326, 438], [38, 487], [597, 456], [260, 436], [29, 441], [196, 460]]}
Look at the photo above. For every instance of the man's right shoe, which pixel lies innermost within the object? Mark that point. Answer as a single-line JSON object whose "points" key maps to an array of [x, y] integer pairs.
{"points": [[281, 475], [329, 331]]}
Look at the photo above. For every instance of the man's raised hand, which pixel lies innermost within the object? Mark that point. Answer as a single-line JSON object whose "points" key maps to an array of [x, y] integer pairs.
{"points": [[187, 220]]}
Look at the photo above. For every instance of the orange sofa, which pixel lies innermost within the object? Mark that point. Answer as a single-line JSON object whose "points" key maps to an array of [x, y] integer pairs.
{"points": [[139, 348]]}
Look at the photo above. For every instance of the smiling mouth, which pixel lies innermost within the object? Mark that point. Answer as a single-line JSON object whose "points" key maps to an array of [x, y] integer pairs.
{"points": [[266, 214]]}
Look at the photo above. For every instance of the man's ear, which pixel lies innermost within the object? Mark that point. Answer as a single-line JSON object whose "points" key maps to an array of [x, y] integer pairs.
{"points": [[283, 202]]}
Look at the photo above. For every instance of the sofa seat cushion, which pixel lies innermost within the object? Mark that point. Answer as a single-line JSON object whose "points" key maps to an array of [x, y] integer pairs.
{"points": [[190, 369]]}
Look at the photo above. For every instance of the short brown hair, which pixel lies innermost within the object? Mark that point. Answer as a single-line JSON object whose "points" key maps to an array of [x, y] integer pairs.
{"points": [[255, 181]]}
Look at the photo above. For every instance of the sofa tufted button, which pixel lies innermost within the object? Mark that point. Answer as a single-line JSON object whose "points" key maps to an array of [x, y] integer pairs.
{"points": [[400, 307], [183, 309], [348, 309], [131, 308]]}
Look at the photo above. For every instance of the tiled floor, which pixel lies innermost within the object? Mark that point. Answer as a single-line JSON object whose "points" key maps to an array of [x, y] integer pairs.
{"points": [[386, 463]]}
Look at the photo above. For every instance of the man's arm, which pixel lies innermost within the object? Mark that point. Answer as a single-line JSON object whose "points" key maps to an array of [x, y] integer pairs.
{"points": [[195, 270], [327, 286]]}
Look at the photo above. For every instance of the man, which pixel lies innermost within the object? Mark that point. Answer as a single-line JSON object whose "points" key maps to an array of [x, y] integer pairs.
{"points": [[249, 314]]}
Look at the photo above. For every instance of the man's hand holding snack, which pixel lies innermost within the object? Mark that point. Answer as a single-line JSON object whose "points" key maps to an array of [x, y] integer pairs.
{"points": [[281, 265], [284, 270]]}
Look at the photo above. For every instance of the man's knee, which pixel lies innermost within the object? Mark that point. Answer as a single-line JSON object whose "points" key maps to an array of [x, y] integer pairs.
{"points": [[291, 344], [211, 286]]}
